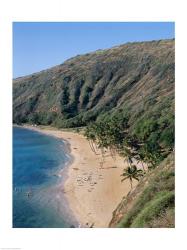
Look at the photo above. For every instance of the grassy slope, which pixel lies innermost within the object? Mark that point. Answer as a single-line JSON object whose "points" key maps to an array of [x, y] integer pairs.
{"points": [[151, 204], [135, 77]]}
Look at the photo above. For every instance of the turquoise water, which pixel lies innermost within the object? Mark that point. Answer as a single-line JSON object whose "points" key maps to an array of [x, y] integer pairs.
{"points": [[38, 199]]}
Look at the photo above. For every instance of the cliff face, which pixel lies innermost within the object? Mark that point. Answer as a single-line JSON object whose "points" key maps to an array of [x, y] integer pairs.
{"points": [[152, 202], [135, 77]]}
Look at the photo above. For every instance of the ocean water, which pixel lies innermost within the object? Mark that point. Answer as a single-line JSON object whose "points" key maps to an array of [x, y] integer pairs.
{"points": [[38, 200]]}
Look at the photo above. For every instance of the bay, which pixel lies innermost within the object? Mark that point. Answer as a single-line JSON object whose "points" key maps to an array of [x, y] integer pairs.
{"points": [[38, 200]]}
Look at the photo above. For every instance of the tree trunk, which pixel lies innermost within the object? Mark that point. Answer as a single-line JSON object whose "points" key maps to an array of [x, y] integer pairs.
{"points": [[129, 161], [112, 152], [102, 153], [91, 145], [143, 166], [131, 184]]}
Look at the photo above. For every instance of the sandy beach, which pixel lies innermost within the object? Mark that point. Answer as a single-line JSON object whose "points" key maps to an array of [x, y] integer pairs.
{"points": [[93, 190]]}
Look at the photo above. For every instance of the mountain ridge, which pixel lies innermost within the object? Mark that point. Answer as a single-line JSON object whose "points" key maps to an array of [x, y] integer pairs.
{"points": [[91, 52], [83, 87]]}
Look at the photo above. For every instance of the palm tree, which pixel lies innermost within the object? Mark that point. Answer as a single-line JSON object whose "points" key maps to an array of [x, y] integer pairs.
{"points": [[90, 135], [140, 159], [126, 153], [132, 173], [150, 157]]}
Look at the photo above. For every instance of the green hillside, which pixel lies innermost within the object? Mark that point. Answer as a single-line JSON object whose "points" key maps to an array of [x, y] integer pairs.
{"points": [[137, 78], [124, 98], [152, 203]]}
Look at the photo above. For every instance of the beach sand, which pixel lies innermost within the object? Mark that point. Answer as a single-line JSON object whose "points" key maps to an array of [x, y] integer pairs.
{"points": [[93, 190]]}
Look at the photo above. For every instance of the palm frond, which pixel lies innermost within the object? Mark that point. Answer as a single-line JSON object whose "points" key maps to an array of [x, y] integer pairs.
{"points": [[124, 179]]}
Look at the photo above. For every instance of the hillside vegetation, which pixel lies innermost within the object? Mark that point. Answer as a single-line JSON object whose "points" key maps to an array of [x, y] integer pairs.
{"points": [[152, 202], [137, 78], [124, 99]]}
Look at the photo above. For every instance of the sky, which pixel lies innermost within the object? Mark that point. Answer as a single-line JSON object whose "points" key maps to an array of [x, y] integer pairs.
{"points": [[41, 45]]}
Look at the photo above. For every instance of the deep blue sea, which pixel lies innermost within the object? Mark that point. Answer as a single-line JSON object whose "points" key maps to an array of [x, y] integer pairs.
{"points": [[38, 200]]}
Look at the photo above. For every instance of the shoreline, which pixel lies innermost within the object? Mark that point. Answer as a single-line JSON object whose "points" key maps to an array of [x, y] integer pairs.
{"points": [[56, 189], [92, 190]]}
